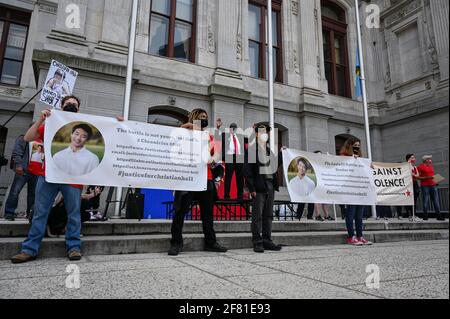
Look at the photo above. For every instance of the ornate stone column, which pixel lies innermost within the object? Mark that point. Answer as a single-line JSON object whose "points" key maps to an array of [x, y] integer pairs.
{"points": [[143, 28], [309, 54], [65, 29], [116, 22], [440, 12], [227, 30], [227, 93]]}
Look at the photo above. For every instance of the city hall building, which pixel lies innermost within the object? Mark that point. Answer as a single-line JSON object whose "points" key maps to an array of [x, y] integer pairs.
{"points": [[212, 54]]}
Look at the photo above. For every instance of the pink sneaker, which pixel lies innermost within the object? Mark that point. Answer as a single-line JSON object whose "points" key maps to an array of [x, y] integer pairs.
{"points": [[354, 242], [364, 241]]}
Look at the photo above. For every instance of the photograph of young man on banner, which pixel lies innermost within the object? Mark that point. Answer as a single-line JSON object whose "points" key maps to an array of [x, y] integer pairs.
{"points": [[78, 148], [304, 182]]}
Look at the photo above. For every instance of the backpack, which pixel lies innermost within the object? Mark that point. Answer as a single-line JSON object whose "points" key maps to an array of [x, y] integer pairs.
{"points": [[57, 220]]}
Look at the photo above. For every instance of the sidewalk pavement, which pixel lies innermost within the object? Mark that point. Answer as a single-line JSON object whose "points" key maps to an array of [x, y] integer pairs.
{"points": [[407, 270]]}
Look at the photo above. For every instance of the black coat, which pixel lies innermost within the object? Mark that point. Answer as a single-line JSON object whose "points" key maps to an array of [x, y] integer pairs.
{"points": [[256, 182]]}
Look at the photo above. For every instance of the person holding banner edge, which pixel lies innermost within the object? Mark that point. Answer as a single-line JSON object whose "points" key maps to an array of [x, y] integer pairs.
{"points": [[411, 210], [354, 213], [198, 120], [262, 181], [46, 194]]}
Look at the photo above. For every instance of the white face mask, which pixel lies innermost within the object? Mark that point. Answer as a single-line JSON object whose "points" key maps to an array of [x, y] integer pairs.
{"points": [[264, 138]]}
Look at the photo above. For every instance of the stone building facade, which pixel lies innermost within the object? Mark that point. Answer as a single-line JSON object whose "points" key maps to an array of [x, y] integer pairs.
{"points": [[217, 67]]}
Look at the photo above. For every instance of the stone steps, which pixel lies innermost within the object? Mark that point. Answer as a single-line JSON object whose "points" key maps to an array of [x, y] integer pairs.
{"points": [[154, 227], [135, 244]]}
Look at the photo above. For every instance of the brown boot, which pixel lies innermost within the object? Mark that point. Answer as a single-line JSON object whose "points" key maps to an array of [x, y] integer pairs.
{"points": [[22, 258], [74, 255]]}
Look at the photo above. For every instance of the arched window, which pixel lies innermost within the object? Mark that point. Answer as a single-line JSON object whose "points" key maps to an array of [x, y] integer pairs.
{"points": [[340, 141], [334, 28], [172, 29], [167, 116]]}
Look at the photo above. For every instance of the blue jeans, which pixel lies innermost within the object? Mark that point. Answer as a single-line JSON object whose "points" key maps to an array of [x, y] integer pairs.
{"points": [[430, 193], [46, 194], [354, 213], [16, 187]]}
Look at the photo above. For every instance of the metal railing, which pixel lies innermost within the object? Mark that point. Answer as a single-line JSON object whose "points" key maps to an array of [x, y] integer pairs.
{"points": [[443, 199], [283, 210], [223, 210], [236, 211]]}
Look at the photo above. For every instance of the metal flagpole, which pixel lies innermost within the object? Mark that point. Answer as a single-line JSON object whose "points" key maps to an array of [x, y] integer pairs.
{"points": [[364, 90], [128, 86], [271, 77]]}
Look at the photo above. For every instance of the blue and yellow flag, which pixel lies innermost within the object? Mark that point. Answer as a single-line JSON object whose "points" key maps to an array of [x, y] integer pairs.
{"points": [[358, 84]]}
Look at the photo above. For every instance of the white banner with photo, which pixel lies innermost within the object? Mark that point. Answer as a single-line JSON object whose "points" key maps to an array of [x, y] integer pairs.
{"points": [[325, 179], [92, 150], [60, 83], [394, 183]]}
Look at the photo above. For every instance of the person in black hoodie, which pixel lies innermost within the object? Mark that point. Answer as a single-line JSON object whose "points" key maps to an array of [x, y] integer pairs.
{"points": [[261, 175]]}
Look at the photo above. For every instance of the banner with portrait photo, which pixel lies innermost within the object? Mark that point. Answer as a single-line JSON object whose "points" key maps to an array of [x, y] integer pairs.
{"points": [[36, 161], [324, 179], [93, 150], [394, 183], [60, 83]]}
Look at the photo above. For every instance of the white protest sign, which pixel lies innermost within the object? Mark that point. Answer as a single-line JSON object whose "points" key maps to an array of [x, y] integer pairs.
{"points": [[59, 83], [324, 179], [92, 150], [394, 183]]}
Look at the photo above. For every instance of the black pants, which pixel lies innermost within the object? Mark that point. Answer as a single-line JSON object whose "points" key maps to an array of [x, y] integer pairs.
{"points": [[343, 211], [384, 211], [409, 209], [301, 209], [183, 201], [230, 169], [262, 215]]}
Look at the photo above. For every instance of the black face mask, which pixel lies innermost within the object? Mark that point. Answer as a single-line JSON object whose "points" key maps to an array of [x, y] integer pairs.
{"points": [[204, 123], [356, 150], [70, 107]]}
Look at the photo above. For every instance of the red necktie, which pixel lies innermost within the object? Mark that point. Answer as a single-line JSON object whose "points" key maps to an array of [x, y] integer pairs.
{"points": [[235, 145]]}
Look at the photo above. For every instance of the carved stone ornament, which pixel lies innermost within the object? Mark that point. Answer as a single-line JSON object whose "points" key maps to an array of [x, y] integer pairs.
{"points": [[239, 47], [403, 12], [294, 7], [211, 41], [12, 92], [172, 100]]}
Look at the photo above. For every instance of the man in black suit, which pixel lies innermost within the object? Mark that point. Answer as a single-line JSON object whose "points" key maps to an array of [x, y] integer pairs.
{"points": [[262, 181], [233, 156]]}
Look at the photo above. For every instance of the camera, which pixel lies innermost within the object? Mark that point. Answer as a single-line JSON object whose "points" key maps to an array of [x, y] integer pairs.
{"points": [[3, 160]]}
